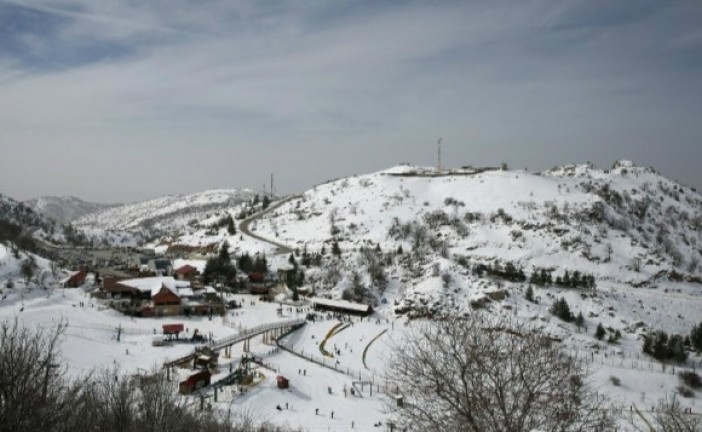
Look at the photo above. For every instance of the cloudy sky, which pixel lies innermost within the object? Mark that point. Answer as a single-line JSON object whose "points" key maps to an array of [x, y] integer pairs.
{"points": [[115, 101]]}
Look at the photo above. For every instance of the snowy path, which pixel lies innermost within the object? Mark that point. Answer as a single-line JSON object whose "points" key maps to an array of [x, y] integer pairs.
{"points": [[244, 227]]}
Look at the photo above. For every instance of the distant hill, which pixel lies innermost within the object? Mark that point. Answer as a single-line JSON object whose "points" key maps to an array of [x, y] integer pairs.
{"points": [[133, 223], [66, 208], [18, 220]]}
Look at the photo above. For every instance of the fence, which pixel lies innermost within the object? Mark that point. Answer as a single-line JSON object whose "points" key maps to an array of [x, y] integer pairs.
{"points": [[631, 361], [355, 374]]}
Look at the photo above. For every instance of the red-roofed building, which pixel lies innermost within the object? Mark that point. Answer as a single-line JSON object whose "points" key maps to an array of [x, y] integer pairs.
{"points": [[75, 280], [166, 297], [256, 277], [186, 272]]}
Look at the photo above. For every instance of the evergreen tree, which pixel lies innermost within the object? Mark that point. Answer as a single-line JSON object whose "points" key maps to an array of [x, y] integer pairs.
{"points": [[676, 349], [220, 268], [529, 295], [224, 252], [580, 320], [336, 251], [306, 258], [260, 264], [231, 228], [648, 345], [266, 202], [295, 279], [399, 250], [600, 331], [696, 337], [292, 261], [660, 345], [575, 279], [663, 347], [245, 263], [561, 309]]}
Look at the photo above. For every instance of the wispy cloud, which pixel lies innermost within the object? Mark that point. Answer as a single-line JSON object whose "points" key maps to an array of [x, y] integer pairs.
{"points": [[310, 89]]}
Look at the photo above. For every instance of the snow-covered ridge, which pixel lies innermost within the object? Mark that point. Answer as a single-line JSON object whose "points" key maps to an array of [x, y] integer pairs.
{"points": [[625, 225], [163, 214], [23, 216], [66, 208]]}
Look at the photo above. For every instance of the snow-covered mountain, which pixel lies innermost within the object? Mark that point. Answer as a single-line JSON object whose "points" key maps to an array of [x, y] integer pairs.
{"points": [[621, 245], [466, 233], [160, 216], [17, 219], [66, 208]]}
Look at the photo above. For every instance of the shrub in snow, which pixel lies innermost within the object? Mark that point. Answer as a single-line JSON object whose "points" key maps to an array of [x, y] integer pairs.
{"points": [[685, 391], [529, 295], [600, 331], [662, 347], [561, 309], [690, 379]]}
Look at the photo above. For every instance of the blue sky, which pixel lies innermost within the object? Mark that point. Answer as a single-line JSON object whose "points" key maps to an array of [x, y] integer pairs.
{"points": [[123, 100]]}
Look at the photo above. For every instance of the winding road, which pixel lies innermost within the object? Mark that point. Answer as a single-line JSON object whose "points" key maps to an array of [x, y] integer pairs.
{"points": [[281, 249]]}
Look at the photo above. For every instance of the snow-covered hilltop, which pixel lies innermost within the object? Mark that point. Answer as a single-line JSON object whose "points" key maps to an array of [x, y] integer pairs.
{"points": [[628, 226], [163, 215], [66, 208]]}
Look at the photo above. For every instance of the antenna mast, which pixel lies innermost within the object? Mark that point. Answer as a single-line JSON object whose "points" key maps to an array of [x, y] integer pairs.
{"points": [[271, 185], [438, 145]]}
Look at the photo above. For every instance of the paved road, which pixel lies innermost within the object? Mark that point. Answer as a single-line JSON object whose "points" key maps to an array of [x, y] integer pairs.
{"points": [[281, 249]]}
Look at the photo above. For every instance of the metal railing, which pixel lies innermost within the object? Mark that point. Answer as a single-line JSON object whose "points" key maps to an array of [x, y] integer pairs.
{"points": [[255, 331], [239, 337]]}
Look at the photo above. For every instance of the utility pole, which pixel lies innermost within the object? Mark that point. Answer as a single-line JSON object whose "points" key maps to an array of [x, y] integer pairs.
{"points": [[438, 145], [272, 190]]}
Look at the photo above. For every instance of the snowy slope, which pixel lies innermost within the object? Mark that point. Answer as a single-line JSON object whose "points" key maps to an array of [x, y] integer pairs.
{"points": [[66, 208], [16, 218], [163, 215], [22, 215], [577, 218], [637, 232], [627, 227]]}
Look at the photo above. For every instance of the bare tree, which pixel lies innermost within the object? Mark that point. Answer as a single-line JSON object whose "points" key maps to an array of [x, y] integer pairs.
{"points": [[33, 395], [668, 416], [481, 373]]}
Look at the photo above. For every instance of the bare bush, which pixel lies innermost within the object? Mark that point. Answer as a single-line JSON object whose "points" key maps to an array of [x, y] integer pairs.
{"points": [[486, 374], [35, 395], [668, 416]]}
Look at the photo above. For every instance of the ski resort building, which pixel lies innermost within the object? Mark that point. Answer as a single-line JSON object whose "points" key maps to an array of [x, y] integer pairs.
{"points": [[186, 272], [164, 296], [75, 280], [341, 306]]}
